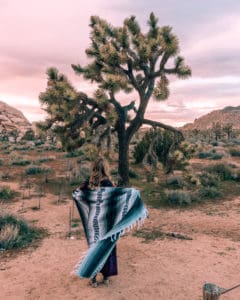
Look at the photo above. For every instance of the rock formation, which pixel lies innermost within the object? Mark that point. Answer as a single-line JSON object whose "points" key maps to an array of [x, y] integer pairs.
{"points": [[12, 119]]}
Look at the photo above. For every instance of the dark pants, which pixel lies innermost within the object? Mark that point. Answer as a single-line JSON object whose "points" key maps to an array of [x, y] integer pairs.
{"points": [[110, 267]]}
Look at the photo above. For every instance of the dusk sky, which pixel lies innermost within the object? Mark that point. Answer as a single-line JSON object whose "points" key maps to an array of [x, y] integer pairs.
{"points": [[36, 35]]}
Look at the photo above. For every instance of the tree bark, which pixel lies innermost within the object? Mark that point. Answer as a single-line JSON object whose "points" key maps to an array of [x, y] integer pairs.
{"points": [[123, 162]]}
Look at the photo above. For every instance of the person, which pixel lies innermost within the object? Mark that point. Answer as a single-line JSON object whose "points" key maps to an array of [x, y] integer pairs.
{"points": [[100, 177]]}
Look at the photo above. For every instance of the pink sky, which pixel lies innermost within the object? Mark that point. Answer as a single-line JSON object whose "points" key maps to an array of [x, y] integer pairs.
{"points": [[35, 35]]}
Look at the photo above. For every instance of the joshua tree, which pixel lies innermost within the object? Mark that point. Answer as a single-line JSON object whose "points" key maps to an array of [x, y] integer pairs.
{"points": [[217, 130], [228, 129], [123, 59]]}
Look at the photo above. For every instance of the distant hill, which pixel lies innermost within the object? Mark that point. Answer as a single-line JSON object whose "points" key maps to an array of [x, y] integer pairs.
{"points": [[229, 114], [12, 118]]}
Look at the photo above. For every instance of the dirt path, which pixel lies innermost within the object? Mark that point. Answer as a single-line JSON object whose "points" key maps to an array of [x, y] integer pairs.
{"points": [[163, 269]]}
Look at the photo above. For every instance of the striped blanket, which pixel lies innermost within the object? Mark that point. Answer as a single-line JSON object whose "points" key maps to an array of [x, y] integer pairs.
{"points": [[105, 213]]}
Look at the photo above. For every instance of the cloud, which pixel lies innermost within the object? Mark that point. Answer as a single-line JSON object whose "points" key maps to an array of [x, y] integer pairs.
{"points": [[35, 35]]}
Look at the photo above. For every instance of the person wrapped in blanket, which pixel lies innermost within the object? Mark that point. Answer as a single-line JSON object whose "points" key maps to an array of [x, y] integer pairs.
{"points": [[100, 177]]}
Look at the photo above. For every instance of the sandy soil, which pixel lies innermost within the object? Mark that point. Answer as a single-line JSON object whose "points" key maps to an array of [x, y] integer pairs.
{"points": [[168, 268]]}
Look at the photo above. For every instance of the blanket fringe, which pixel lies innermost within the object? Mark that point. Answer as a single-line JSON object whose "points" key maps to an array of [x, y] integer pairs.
{"points": [[138, 223]]}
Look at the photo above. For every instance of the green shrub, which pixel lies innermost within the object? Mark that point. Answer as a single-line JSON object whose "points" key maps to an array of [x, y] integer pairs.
{"points": [[34, 170], [217, 156], [204, 155], [175, 181], [6, 193], [16, 233], [209, 192], [29, 135], [168, 150], [234, 152], [222, 170], [82, 175], [90, 151], [21, 162], [236, 176], [176, 197], [209, 179], [45, 159], [133, 174], [74, 154], [210, 155]]}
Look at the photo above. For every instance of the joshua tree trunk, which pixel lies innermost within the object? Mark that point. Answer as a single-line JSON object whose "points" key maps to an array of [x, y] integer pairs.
{"points": [[123, 163]]}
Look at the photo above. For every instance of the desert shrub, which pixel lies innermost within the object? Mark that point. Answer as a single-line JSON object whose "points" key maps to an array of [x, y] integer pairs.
{"points": [[133, 174], [114, 172], [1, 162], [34, 170], [74, 154], [188, 149], [204, 155], [19, 162], [217, 156], [234, 152], [175, 181], [176, 197], [223, 171], [45, 159], [236, 176], [16, 233], [209, 179], [210, 155], [90, 151], [21, 148], [192, 179], [169, 151], [209, 192], [215, 144], [29, 135], [6, 193], [80, 175]]}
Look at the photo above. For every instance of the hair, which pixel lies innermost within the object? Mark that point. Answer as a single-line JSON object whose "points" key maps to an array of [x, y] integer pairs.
{"points": [[99, 172]]}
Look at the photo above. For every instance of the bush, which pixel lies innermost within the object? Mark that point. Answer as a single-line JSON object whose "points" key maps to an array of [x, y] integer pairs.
{"points": [[16, 233], [209, 192], [21, 162], [223, 171], [172, 154], [6, 193], [236, 176], [133, 174], [74, 154], [45, 159], [82, 175], [234, 152], [175, 181], [34, 170], [90, 151], [203, 155], [209, 179], [29, 135], [217, 156], [178, 197], [1, 162], [210, 155]]}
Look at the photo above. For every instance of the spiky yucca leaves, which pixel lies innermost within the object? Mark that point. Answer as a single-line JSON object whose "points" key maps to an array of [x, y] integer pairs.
{"points": [[61, 102], [72, 116], [124, 58]]}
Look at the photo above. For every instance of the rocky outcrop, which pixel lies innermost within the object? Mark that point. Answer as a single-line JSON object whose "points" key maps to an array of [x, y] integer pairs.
{"points": [[227, 115], [12, 119]]}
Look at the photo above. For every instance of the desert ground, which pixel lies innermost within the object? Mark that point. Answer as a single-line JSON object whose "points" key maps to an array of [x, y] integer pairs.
{"points": [[164, 268]]}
